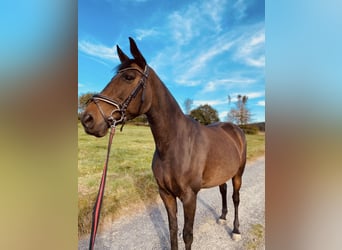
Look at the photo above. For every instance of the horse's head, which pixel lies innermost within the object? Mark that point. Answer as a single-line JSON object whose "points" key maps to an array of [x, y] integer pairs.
{"points": [[125, 97]]}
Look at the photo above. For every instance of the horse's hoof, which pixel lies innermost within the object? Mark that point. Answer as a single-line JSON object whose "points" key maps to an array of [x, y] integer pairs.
{"points": [[221, 221], [236, 237]]}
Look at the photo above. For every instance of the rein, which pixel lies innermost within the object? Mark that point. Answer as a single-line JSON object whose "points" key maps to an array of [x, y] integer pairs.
{"points": [[98, 203], [122, 107]]}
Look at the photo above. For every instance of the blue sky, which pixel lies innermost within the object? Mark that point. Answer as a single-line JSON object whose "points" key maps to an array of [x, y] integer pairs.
{"points": [[202, 50]]}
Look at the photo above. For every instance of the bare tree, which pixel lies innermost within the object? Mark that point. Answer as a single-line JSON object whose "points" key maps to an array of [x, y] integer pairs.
{"points": [[240, 115], [187, 104]]}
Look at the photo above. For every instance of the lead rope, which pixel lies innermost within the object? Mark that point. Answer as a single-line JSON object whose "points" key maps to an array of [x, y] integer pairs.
{"points": [[98, 203]]}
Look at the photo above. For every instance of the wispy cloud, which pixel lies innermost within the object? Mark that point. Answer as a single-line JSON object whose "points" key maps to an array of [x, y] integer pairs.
{"points": [[182, 29], [239, 9], [194, 66], [98, 50], [251, 50], [187, 23], [219, 84], [261, 103], [143, 33], [202, 59], [210, 102], [190, 54], [214, 10], [253, 95]]}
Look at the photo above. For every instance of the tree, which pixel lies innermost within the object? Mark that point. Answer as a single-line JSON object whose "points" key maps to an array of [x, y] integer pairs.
{"points": [[188, 103], [205, 114], [82, 102], [240, 115]]}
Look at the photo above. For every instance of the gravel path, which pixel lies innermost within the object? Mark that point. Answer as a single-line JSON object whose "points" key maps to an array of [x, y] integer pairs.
{"points": [[149, 228]]}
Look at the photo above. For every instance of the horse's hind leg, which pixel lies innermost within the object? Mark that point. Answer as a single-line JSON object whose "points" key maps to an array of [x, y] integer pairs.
{"points": [[223, 191], [236, 181]]}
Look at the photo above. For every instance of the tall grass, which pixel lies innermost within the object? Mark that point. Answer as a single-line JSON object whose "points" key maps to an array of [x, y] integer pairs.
{"points": [[130, 179]]}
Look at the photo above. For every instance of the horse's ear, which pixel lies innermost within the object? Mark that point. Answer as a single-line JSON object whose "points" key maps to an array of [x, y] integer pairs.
{"points": [[122, 56], [136, 53]]}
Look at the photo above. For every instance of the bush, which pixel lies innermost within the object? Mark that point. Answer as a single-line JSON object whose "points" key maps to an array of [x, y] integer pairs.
{"points": [[249, 129]]}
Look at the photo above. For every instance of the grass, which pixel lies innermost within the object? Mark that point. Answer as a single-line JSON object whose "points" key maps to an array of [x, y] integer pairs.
{"points": [[256, 237], [130, 179], [255, 146]]}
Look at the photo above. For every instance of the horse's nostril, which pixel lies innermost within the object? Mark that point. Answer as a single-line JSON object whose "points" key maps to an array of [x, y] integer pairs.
{"points": [[87, 120]]}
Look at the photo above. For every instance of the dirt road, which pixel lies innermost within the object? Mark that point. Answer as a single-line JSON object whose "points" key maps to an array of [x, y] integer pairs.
{"points": [[149, 228]]}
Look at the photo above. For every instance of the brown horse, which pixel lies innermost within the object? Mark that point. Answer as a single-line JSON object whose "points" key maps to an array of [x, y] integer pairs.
{"points": [[188, 156]]}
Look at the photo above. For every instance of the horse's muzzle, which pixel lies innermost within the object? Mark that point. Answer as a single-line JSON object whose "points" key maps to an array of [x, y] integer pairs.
{"points": [[87, 121], [91, 128]]}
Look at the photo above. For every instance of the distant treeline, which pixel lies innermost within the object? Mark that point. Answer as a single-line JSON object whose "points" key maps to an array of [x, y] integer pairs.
{"points": [[253, 128], [260, 125]]}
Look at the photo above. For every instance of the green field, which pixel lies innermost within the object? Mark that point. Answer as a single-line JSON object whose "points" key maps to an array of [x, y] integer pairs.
{"points": [[130, 179]]}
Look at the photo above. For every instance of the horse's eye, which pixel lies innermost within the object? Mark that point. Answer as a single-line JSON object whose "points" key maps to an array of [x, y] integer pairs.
{"points": [[129, 76]]}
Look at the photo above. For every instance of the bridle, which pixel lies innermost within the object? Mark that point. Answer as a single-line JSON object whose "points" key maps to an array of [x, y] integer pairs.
{"points": [[122, 107]]}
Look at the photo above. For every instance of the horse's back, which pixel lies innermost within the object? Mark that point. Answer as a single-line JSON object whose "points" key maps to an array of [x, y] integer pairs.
{"points": [[233, 131]]}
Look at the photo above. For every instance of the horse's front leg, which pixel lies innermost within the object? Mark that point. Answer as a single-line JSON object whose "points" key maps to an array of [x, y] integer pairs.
{"points": [[189, 205], [171, 208]]}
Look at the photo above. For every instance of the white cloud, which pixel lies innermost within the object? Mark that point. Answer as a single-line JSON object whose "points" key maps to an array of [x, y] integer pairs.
{"points": [[98, 50], [214, 9], [239, 9], [214, 85], [187, 82], [181, 26], [202, 59], [261, 103], [253, 95], [251, 51], [209, 102], [142, 33], [190, 22], [193, 66], [258, 62]]}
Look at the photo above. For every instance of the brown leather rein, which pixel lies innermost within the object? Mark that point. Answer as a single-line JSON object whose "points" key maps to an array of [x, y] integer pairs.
{"points": [[112, 122]]}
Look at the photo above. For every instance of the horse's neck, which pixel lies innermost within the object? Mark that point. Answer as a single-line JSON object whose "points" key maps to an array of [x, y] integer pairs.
{"points": [[165, 116]]}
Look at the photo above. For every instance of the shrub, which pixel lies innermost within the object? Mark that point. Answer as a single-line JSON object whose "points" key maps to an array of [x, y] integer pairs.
{"points": [[249, 129]]}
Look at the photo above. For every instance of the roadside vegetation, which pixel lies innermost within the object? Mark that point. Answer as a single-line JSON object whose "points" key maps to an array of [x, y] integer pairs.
{"points": [[130, 180]]}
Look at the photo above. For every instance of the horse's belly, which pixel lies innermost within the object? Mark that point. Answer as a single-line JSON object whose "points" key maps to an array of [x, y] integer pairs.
{"points": [[216, 180], [219, 171]]}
